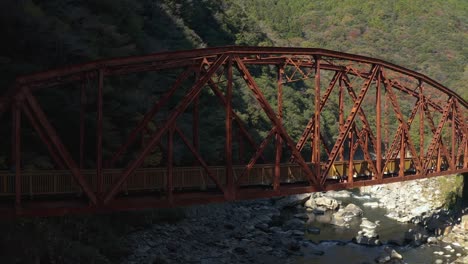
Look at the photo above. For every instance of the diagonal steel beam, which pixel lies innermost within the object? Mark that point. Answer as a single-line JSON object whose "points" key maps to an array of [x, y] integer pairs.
{"points": [[57, 143], [463, 147], [361, 113], [349, 121], [434, 130], [361, 142], [214, 87], [310, 125], [149, 115], [257, 154], [189, 97], [436, 138], [297, 68], [391, 151], [404, 127], [200, 159], [274, 119], [43, 136]]}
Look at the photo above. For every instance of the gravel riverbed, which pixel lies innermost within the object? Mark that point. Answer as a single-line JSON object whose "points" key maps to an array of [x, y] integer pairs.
{"points": [[288, 230]]}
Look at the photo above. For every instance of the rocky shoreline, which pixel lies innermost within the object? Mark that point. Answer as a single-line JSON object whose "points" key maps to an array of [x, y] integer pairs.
{"points": [[279, 230]]}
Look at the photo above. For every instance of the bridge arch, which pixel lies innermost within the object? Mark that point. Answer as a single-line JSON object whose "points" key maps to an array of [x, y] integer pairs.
{"points": [[370, 120]]}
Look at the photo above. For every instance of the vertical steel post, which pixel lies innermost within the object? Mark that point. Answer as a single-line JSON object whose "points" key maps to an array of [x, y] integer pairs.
{"points": [[421, 124], [386, 124], [341, 114], [82, 122], [351, 157], [170, 157], [196, 123], [99, 176], [16, 147], [454, 137], [439, 160], [316, 150], [401, 172], [228, 151], [465, 156], [278, 141], [196, 117], [378, 101]]}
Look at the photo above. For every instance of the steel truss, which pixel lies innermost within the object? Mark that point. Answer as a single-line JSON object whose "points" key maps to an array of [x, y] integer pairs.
{"points": [[355, 81]]}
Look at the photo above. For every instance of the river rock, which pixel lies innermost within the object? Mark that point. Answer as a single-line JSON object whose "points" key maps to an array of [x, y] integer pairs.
{"points": [[432, 240], [367, 236], [345, 215], [327, 202], [462, 260], [263, 227], [365, 240], [339, 220], [310, 203], [292, 200], [368, 227], [302, 216], [352, 210], [294, 223], [416, 237], [389, 256], [383, 259], [393, 253], [464, 222], [420, 210]]}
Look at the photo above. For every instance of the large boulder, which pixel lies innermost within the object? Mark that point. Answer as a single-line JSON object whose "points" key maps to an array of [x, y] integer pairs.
{"points": [[352, 210], [339, 220], [345, 215], [368, 225], [368, 228], [310, 203], [363, 239], [327, 202]]}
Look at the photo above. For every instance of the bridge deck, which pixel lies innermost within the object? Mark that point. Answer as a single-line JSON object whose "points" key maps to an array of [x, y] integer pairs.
{"points": [[54, 192]]}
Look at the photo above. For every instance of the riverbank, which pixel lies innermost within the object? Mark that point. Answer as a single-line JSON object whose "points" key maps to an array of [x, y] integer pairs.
{"points": [[297, 229], [358, 226]]}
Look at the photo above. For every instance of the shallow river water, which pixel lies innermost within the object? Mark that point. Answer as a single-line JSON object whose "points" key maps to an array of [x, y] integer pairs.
{"points": [[336, 243]]}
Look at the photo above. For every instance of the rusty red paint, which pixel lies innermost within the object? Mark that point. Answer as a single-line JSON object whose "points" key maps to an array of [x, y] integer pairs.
{"points": [[301, 63]]}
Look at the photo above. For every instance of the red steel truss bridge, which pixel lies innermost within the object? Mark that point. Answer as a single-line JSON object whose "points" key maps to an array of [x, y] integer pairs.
{"points": [[390, 124]]}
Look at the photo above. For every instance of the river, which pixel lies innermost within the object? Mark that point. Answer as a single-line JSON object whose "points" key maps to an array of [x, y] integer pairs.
{"points": [[278, 231], [336, 242]]}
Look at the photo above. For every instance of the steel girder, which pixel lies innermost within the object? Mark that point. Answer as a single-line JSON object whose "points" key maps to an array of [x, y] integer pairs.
{"points": [[217, 69]]}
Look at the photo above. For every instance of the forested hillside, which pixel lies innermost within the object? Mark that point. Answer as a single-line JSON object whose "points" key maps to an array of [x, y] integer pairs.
{"points": [[429, 36], [426, 36]]}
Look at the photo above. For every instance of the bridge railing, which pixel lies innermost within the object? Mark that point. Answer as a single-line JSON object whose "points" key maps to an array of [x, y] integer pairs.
{"points": [[57, 182]]}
